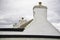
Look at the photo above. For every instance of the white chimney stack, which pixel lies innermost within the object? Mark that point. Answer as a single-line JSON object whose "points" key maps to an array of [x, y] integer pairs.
{"points": [[40, 24]]}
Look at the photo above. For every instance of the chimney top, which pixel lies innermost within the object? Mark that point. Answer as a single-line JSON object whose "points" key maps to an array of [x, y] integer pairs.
{"points": [[40, 3], [22, 18]]}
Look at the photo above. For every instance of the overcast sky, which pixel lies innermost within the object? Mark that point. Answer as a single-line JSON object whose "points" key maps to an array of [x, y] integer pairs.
{"points": [[12, 10]]}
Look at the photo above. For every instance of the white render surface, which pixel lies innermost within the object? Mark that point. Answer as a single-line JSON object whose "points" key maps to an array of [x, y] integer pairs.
{"points": [[40, 25]]}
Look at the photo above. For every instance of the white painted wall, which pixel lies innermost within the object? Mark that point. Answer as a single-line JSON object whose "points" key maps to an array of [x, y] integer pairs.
{"points": [[40, 25]]}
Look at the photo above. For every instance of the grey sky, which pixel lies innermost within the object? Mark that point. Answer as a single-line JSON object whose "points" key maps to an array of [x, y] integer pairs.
{"points": [[11, 10]]}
